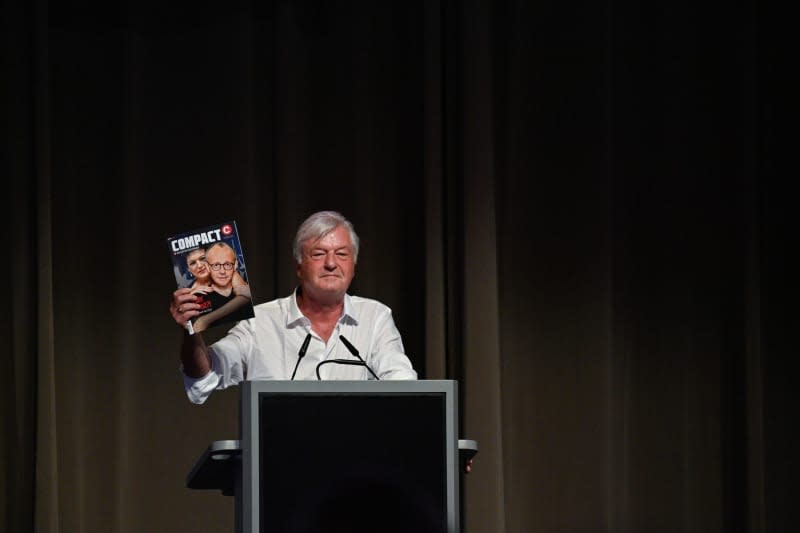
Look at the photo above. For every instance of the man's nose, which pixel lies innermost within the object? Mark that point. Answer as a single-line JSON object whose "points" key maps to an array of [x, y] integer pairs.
{"points": [[330, 262]]}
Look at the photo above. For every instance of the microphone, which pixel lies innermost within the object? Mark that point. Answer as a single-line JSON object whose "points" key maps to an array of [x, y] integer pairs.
{"points": [[353, 351], [301, 353]]}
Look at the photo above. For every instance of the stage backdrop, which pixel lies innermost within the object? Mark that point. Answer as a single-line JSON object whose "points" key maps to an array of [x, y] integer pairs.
{"points": [[571, 208]]}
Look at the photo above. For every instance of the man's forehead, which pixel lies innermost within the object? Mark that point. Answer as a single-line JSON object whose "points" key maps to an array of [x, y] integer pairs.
{"points": [[217, 250], [337, 237]]}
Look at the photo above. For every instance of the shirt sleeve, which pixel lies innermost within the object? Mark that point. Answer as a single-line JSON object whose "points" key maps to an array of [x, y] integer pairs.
{"points": [[228, 365], [388, 358], [199, 389]]}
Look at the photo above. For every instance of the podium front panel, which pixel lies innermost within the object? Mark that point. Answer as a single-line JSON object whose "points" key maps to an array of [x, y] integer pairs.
{"points": [[330, 456]]}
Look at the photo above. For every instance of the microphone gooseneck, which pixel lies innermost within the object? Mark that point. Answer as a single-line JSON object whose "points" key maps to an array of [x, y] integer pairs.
{"points": [[353, 351], [338, 362], [301, 353]]}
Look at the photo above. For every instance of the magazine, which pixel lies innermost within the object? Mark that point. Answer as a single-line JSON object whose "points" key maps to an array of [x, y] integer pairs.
{"points": [[211, 263]]}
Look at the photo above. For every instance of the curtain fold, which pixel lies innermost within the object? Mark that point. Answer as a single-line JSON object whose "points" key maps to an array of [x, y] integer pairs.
{"points": [[46, 516]]}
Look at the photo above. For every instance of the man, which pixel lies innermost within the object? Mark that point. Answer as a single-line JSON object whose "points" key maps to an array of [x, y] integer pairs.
{"points": [[320, 310], [220, 291], [230, 294]]}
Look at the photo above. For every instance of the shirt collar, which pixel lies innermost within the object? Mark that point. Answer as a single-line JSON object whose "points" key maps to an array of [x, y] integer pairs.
{"points": [[295, 316], [348, 314]]}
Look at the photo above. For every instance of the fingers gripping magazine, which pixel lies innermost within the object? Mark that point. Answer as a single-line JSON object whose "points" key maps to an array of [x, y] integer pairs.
{"points": [[209, 261]]}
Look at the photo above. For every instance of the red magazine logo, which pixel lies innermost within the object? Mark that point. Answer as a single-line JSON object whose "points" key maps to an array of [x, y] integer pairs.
{"points": [[227, 229]]}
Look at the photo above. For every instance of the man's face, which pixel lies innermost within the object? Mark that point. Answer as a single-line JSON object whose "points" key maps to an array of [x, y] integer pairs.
{"points": [[196, 261], [222, 263], [327, 266]]}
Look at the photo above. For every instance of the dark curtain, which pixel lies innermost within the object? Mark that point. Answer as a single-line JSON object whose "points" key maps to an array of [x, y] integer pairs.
{"points": [[575, 210]]}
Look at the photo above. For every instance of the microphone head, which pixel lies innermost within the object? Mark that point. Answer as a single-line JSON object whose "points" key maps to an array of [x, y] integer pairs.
{"points": [[349, 346], [304, 347]]}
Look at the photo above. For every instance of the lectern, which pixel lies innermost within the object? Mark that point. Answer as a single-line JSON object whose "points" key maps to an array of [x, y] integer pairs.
{"points": [[330, 456]]}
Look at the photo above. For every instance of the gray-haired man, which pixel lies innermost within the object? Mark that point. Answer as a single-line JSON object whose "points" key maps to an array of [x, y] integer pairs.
{"points": [[319, 317]]}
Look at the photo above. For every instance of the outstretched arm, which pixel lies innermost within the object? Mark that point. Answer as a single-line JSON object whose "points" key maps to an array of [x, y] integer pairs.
{"points": [[194, 356], [194, 353]]}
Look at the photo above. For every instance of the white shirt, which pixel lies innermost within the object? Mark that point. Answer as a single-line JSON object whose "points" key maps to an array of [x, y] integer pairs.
{"points": [[266, 347]]}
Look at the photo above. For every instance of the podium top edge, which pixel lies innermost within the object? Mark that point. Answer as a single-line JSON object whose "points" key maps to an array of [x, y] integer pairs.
{"points": [[351, 387]]}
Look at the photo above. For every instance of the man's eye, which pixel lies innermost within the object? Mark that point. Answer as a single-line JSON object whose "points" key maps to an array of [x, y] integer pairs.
{"points": [[343, 255]]}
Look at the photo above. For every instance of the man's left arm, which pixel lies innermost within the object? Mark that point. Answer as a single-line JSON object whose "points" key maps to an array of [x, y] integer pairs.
{"points": [[388, 359]]}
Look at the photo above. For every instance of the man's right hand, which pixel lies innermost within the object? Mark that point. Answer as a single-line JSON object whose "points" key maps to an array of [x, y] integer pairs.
{"points": [[183, 306]]}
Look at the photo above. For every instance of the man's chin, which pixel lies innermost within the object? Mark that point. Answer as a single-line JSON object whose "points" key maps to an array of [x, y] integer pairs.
{"points": [[326, 293]]}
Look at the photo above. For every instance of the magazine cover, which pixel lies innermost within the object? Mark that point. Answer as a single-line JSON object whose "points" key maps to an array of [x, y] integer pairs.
{"points": [[211, 263]]}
